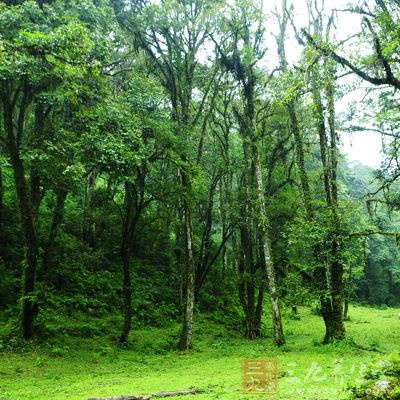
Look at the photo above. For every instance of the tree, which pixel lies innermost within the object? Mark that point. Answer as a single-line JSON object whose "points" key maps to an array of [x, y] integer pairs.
{"points": [[34, 64], [136, 145], [239, 52], [379, 69], [172, 34]]}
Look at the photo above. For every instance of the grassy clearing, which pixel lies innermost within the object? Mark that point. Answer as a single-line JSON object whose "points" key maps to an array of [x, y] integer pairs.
{"points": [[76, 368]]}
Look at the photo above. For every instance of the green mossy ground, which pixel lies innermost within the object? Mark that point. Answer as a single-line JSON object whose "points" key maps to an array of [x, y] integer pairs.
{"points": [[80, 359]]}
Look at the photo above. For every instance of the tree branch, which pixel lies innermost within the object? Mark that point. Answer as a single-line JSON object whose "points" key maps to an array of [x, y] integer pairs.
{"points": [[152, 396], [388, 80]]}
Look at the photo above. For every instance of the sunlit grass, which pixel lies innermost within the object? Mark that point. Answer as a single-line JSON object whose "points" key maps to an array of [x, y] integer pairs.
{"points": [[76, 368]]}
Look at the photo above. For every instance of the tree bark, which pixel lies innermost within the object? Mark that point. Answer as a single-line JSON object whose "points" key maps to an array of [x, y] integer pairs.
{"points": [[291, 107], [247, 265], [187, 327], [174, 50], [304, 181], [266, 246], [88, 231], [332, 299], [36, 194], [58, 215], [131, 216], [127, 293], [171, 393], [1, 199], [14, 137], [247, 77]]}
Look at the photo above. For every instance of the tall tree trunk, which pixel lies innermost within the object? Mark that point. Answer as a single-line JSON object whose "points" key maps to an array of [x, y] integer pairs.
{"points": [[247, 267], [127, 293], [187, 328], [35, 178], [88, 230], [204, 253], [266, 246], [27, 222], [347, 293], [322, 273], [291, 107], [1, 199], [248, 125], [247, 283], [223, 216], [332, 299], [260, 302], [304, 181], [337, 331], [179, 245], [58, 215], [132, 211]]}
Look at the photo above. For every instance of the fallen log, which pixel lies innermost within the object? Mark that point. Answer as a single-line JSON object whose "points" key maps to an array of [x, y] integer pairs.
{"points": [[152, 396]]}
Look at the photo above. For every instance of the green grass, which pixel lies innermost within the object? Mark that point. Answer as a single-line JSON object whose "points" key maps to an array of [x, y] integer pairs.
{"points": [[75, 368]]}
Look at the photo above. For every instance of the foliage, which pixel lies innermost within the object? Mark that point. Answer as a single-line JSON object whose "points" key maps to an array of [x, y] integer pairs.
{"points": [[381, 381], [138, 138]]}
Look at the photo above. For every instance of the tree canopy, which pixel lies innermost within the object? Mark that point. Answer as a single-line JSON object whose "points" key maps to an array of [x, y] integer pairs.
{"points": [[162, 159]]}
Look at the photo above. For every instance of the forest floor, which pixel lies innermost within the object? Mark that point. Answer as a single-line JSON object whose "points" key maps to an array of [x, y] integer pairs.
{"points": [[75, 368]]}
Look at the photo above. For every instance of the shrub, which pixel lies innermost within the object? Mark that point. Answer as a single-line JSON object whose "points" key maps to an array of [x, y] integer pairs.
{"points": [[380, 382]]}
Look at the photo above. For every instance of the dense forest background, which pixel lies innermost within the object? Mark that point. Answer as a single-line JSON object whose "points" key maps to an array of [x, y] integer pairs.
{"points": [[162, 159]]}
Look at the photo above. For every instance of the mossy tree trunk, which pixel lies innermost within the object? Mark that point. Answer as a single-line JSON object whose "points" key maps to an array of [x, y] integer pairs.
{"points": [[172, 46], [134, 204], [333, 296], [15, 108], [245, 73], [58, 215], [328, 274]]}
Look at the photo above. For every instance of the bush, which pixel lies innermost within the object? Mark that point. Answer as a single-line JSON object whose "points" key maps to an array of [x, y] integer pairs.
{"points": [[380, 382]]}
